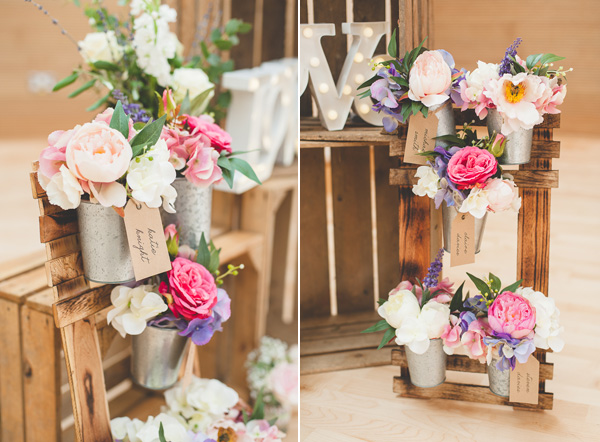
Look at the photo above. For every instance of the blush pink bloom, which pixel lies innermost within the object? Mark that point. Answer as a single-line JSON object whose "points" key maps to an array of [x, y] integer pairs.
{"points": [[106, 116], [193, 289], [283, 381], [429, 79], [219, 139], [471, 166], [182, 145], [451, 335], [171, 232], [472, 340], [407, 285], [511, 314], [53, 156], [445, 285], [202, 169], [502, 195]]}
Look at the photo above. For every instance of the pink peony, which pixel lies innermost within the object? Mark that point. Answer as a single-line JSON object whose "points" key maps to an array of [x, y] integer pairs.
{"points": [[471, 166], [202, 169], [53, 156], [511, 314], [502, 195], [182, 145], [445, 285], [205, 125], [451, 335], [106, 116], [193, 289], [283, 381], [472, 340], [429, 79]]}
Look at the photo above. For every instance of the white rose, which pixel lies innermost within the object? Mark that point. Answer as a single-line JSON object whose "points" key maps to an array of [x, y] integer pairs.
{"points": [[125, 429], [435, 317], [502, 195], [212, 396], [478, 80], [428, 183], [476, 203], [413, 333], [150, 176], [400, 306], [194, 82], [64, 189], [101, 46], [134, 307], [548, 331], [174, 430]]}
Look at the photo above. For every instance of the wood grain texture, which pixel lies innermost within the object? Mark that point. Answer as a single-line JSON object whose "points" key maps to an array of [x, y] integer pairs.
{"points": [[41, 343], [345, 360], [47, 208], [70, 288], [21, 264], [64, 268], [70, 310], [58, 225], [414, 235], [62, 246], [36, 188], [243, 53], [17, 289]]}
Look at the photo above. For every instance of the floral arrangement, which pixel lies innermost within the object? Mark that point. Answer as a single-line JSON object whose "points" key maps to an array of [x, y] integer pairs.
{"points": [[521, 90], [414, 314], [207, 411], [466, 174], [133, 58], [422, 81], [512, 322], [273, 376], [108, 161], [186, 297]]}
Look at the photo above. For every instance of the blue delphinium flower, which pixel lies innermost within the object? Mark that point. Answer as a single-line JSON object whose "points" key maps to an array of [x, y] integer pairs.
{"points": [[476, 304], [200, 330], [506, 62], [431, 280], [520, 349]]}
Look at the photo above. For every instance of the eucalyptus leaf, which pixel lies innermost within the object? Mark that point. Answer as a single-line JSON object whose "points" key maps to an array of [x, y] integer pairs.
{"points": [[148, 136], [198, 104], [511, 288], [481, 285], [387, 337], [259, 407], [228, 177], [244, 168], [203, 255], [380, 326], [186, 105], [119, 120], [65, 82], [369, 82], [98, 103], [105, 65], [83, 88]]}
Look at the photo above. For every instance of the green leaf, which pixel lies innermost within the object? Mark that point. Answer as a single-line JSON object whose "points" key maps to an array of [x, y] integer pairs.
{"points": [[161, 433], [65, 82], [550, 58], [245, 28], [369, 82], [381, 301], [387, 337], [224, 162], [98, 103], [199, 102], [425, 111], [457, 300], [224, 45], [148, 136], [259, 407], [233, 26], [393, 46], [139, 125], [244, 168], [105, 65], [401, 81], [204, 48], [215, 35], [515, 66], [495, 282], [533, 59], [511, 288], [186, 105], [215, 259], [83, 88], [380, 326], [228, 177], [481, 285], [415, 107], [119, 120], [203, 255]]}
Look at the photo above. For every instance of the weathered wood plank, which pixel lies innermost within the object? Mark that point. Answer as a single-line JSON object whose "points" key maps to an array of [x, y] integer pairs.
{"points": [[465, 392], [21, 264], [346, 360], [64, 268], [18, 288], [58, 225], [47, 208], [414, 222], [36, 188], [69, 288], [327, 345], [70, 310], [41, 301], [41, 366], [62, 246]]}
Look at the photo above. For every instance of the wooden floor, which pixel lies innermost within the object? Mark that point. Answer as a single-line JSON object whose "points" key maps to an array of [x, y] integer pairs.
{"points": [[359, 405]]}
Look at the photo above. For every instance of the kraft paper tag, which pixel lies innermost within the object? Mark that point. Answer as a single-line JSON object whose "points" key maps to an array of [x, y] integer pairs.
{"points": [[524, 382], [419, 137], [462, 242], [146, 238]]}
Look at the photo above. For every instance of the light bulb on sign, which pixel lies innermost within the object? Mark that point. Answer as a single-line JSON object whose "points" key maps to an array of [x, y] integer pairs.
{"points": [[364, 108], [332, 115], [253, 84], [323, 88], [359, 79], [307, 32], [359, 57], [368, 32], [314, 62], [347, 89]]}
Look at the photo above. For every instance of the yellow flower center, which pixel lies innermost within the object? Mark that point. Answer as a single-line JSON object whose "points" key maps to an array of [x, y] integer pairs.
{"points": [[513, 92]]}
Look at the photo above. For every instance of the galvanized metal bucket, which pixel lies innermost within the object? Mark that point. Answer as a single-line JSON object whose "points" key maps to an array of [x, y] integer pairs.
{"points": [[448, 215], [104, 245], [193, 211], [518, 144], [446, 123], [429, 369], [156, 357], [499, 380]]}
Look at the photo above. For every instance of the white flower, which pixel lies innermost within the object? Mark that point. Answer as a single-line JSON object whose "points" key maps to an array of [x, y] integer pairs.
{"points": [[64, 189], [476, 203], [134, 307], [548, 332], [101, 46], [435, 316], [400, 306], [194, 82], [125, 429], [174, 430], [502, 194], [428, 183], [413, 333], [478, 80], [150, 176]]}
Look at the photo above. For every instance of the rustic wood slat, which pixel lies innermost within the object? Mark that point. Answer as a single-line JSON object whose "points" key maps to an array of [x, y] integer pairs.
{"points": [[63, 246], [22, 264], [465, 392], [36, 188], [41, 301], [344, 343], [47, 208], [58, 225], [70, 310], [345, 360], [17, 289], [69, 288], [414, 235], [64, 268]]}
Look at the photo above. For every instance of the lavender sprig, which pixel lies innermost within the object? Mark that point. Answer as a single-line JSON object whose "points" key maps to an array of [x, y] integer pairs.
{"points": [[431, 280], [63, 31], [133, 110], [511, 51]]}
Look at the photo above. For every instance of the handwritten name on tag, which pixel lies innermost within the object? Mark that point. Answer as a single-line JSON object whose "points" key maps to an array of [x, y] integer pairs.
{"points": [[462, 242], [146, 239], [524, 382], [419, 137]]}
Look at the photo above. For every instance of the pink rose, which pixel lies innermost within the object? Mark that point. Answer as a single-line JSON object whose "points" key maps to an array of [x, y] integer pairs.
{"points": [[205, 125], [502, 195], [511, 314], [171, 232], [554, 95], [202, 169], [283, 381], [193, 289], [451, 335], [471, 166], [106, 116], [53, 156], [472, 340], [429, 79]]}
